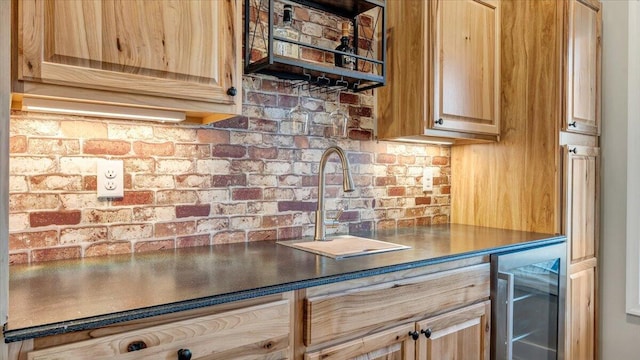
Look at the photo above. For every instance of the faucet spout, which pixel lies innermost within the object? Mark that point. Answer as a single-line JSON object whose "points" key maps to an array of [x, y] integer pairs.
{"points": [[347, 186]]}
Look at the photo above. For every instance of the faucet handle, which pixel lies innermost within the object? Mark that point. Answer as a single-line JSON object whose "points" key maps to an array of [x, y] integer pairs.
{"points": [[336, 220]]}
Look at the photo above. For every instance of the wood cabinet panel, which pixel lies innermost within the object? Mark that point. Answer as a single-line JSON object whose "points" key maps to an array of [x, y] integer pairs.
{"points": [[581, 185], [462, 334], [258, 332], [334, 316], [392, 344], [171, 50], [466, 66], [581, 314], [584, 30]]}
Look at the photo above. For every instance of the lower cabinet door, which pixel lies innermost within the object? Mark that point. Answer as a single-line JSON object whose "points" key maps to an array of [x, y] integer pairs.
{"points": [[462, 334], [581, 320], [392, 344]]}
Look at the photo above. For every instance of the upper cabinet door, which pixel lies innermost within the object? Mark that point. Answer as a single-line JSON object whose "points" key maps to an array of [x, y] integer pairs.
{"points": [[184, 49], [583, 67], [466, 71]]}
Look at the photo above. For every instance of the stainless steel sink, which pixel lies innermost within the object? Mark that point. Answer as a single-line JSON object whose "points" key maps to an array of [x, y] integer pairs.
{"points": [[344, 246]]}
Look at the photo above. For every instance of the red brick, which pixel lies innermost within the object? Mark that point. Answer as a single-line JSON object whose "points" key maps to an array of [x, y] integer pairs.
{"points": [[349, 98], [440, 180], [406, 223], [32, 240], [142, 148], [46, 218], [193, 240], [423, 200], [300, 13], [301, 142], [61, 253], [386, 224], [310, 180], [18, 258], [385, 180], [423, 221], [174, 228], [365, 21], [297, 206], [213, 136], [355, 158], [362, 135], [386, 158], [231, 151], [183, 211], [238, 122], [229, 180], [294, 232], [414, 212], [90, 183], [245, 166], [287, 101], [263, 125], [228, 237], [108, 248], [55, 182], [312, 55], [106, 147], [362, 111], [246, 194], [396, 191], [360, 226], [440, 160], [445, 189], [17, 144], [263, 153], [331, 34], [277, 220], [263, 99], [156, 245], [135, 198], [262, 235]]}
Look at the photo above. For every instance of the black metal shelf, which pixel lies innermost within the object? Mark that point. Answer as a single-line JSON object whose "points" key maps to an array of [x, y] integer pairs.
{"points": [[320, 74]]}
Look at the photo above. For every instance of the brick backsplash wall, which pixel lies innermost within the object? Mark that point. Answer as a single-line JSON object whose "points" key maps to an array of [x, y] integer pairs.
{"points": [[242, 179]]}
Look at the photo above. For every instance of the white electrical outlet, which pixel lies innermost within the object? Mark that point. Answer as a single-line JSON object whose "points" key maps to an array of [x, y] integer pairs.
{"points": [[427, 179], [110, 175]]}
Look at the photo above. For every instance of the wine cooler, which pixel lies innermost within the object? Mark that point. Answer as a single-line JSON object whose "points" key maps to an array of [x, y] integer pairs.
{"points": [[528, 293]]}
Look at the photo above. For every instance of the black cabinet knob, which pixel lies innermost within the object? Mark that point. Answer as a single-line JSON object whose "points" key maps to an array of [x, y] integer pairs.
{"points": [[426, 333], [136, 345], [439, 122], [232, 91], [414, 335], [574, 151], [184, 354], [572, 124]]}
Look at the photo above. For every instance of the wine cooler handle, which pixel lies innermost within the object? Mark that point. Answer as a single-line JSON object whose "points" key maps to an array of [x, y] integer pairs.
{"points": [[506, 299]]}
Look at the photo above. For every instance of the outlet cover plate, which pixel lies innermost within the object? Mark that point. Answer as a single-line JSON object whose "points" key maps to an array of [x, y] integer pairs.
{"points": [[110, 179]]}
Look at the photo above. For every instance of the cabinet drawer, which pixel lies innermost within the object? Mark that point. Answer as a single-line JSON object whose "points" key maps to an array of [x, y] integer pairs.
{"points": [[360, 311], [257, 332]]}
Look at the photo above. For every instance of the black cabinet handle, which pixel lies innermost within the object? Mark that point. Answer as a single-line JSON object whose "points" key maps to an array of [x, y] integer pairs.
{"points": [[439, 122], [232, 91], [136, 345], [572, 124], [414, 335], [574, 150], [184, 354], [426, 333]]}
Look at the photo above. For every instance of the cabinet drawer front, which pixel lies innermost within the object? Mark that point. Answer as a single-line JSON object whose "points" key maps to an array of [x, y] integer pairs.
{"points": [[362, 310], [258, 332]]}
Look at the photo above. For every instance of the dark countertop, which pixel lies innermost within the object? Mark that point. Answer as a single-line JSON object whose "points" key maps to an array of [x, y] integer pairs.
{"points": [[63, 296]]}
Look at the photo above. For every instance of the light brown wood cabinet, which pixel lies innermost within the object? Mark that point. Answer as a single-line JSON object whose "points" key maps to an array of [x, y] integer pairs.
{"points": [[254, 329], [178, 55], [441, 315], [583, 57], [543, 176], [443, 81]]}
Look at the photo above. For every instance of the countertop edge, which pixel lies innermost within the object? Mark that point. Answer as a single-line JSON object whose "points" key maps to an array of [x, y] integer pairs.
{"points": [[119, 317]]}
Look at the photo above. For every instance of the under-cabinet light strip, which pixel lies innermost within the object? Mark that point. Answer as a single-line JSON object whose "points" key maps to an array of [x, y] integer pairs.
{"points": [[100, 110]]}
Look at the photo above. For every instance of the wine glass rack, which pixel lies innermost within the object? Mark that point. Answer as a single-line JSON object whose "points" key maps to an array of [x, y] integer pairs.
{"points": [[369, 71]]}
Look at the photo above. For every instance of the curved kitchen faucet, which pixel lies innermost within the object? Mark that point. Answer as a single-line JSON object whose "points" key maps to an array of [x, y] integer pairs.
{"points": [[347, 185]]}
